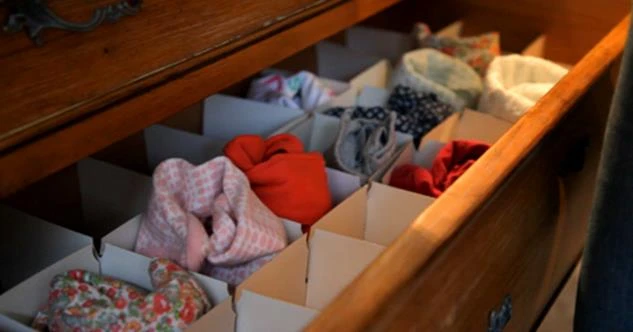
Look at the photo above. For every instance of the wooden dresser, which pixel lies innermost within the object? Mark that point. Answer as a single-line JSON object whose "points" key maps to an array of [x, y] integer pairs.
{"points": [[514, 225]]}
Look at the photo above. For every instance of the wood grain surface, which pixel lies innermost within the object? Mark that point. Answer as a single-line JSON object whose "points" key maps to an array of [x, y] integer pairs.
{"points": [[404, 278], [572, 27], [76, 73], [33, 161]]}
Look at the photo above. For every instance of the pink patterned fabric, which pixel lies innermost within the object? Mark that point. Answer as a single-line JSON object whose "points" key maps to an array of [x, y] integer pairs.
{"points": [[207, 218]]}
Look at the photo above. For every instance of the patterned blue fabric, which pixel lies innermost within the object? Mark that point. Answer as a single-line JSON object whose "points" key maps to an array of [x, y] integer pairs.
{"points": [[417, 112]]}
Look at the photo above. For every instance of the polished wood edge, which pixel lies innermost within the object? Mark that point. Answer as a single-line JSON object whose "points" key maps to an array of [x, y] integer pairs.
{"points": [[48, 154], [158, 76], [356, 307]]}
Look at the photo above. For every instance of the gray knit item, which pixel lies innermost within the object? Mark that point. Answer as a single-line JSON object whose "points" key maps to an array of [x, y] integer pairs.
{"points": [[363, 146]]}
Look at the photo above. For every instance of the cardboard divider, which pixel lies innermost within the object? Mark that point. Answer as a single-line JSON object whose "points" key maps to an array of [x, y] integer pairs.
{"points": [[390, 44], [536, 47], [370, 215], [225, 117], [335, 260], [343, 64], [273, 298], [19, 305], [318, 133], [379, 42], [111, 195], [29, 244], [287, 293]]}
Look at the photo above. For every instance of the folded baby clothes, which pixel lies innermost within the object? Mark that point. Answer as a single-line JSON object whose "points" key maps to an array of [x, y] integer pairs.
{"points": [[451, 162], [429, 70], [208, 219], [514, 83], [83, 301], [362, 145], [300, 91], [416, 112], [292, 183], [476, 51]]}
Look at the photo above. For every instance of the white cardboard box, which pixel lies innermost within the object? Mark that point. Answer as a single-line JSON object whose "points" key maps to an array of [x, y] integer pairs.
{"points": [[29, 244], [341, 63], [278, 296], [111, 195], [226, 117], [392, 44], [19, 305], [287, 293]]}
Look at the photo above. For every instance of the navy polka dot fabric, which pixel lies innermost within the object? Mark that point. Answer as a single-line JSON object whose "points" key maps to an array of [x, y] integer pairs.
{"points": [[417, 112]]}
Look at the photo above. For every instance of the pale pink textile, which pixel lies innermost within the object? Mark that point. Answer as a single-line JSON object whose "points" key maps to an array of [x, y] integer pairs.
{"points": [[207, 218]]}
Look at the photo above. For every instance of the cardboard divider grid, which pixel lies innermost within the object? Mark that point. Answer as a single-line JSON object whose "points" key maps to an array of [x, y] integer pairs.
{"points": [[288, 292], [311, 272]]}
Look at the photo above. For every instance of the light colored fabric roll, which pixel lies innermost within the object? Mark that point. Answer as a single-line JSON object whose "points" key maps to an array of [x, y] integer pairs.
{"points": [[428, 70], [302, 91], [514, 83]]}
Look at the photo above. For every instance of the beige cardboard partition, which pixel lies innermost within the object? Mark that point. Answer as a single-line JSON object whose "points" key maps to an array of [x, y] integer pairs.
{"points": [[19, 305], [387, 43], [111, 195], [343, 64], [288, 292], [318, 133], [468, 125], [226, 117], [352, 235], [29, 244], [274, 298]]}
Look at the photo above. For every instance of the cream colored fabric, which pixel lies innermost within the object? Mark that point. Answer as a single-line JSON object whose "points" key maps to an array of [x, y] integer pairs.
{"points": [[429, 70], [514, 83]]}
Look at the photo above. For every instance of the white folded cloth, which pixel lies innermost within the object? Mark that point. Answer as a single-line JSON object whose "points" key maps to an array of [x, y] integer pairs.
{"points": [[514, 83]]}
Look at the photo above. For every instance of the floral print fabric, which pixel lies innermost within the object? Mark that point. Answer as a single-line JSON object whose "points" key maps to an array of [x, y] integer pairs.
{"points": [[207, 218], [84, 301], [477, 51]]}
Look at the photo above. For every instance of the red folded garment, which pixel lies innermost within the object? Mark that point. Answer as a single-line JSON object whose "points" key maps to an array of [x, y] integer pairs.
{"points": [[291, 182], [450, 163]]}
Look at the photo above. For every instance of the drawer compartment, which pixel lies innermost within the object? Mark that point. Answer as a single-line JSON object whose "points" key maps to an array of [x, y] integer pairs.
{"points": [[507, 232]]}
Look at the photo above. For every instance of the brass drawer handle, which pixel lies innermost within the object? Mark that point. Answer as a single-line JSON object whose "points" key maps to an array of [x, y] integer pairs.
{"points": [[34, 15]]}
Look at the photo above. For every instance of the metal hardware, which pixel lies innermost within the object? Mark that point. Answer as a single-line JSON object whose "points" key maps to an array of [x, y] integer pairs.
{"points": [[33, 16], [500, 318]]}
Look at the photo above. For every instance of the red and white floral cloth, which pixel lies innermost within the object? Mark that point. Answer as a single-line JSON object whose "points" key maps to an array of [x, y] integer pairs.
{"points": [[84, 301], [477, 51], [208, 219]]}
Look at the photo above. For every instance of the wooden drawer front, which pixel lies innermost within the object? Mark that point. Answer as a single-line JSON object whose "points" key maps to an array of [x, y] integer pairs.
{"points": [[72, 73], [520, 244], [512, 226]]}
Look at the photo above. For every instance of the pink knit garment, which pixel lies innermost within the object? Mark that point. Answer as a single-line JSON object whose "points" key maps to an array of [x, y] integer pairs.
{"points": [[243, 234]]}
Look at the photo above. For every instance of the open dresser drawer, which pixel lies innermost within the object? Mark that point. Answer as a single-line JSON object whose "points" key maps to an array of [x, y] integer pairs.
{"points": [[496, 245]]}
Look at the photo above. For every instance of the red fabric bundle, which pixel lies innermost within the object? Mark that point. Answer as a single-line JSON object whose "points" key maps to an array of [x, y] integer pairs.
{"points": [[290, 182], [450, 163]]}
